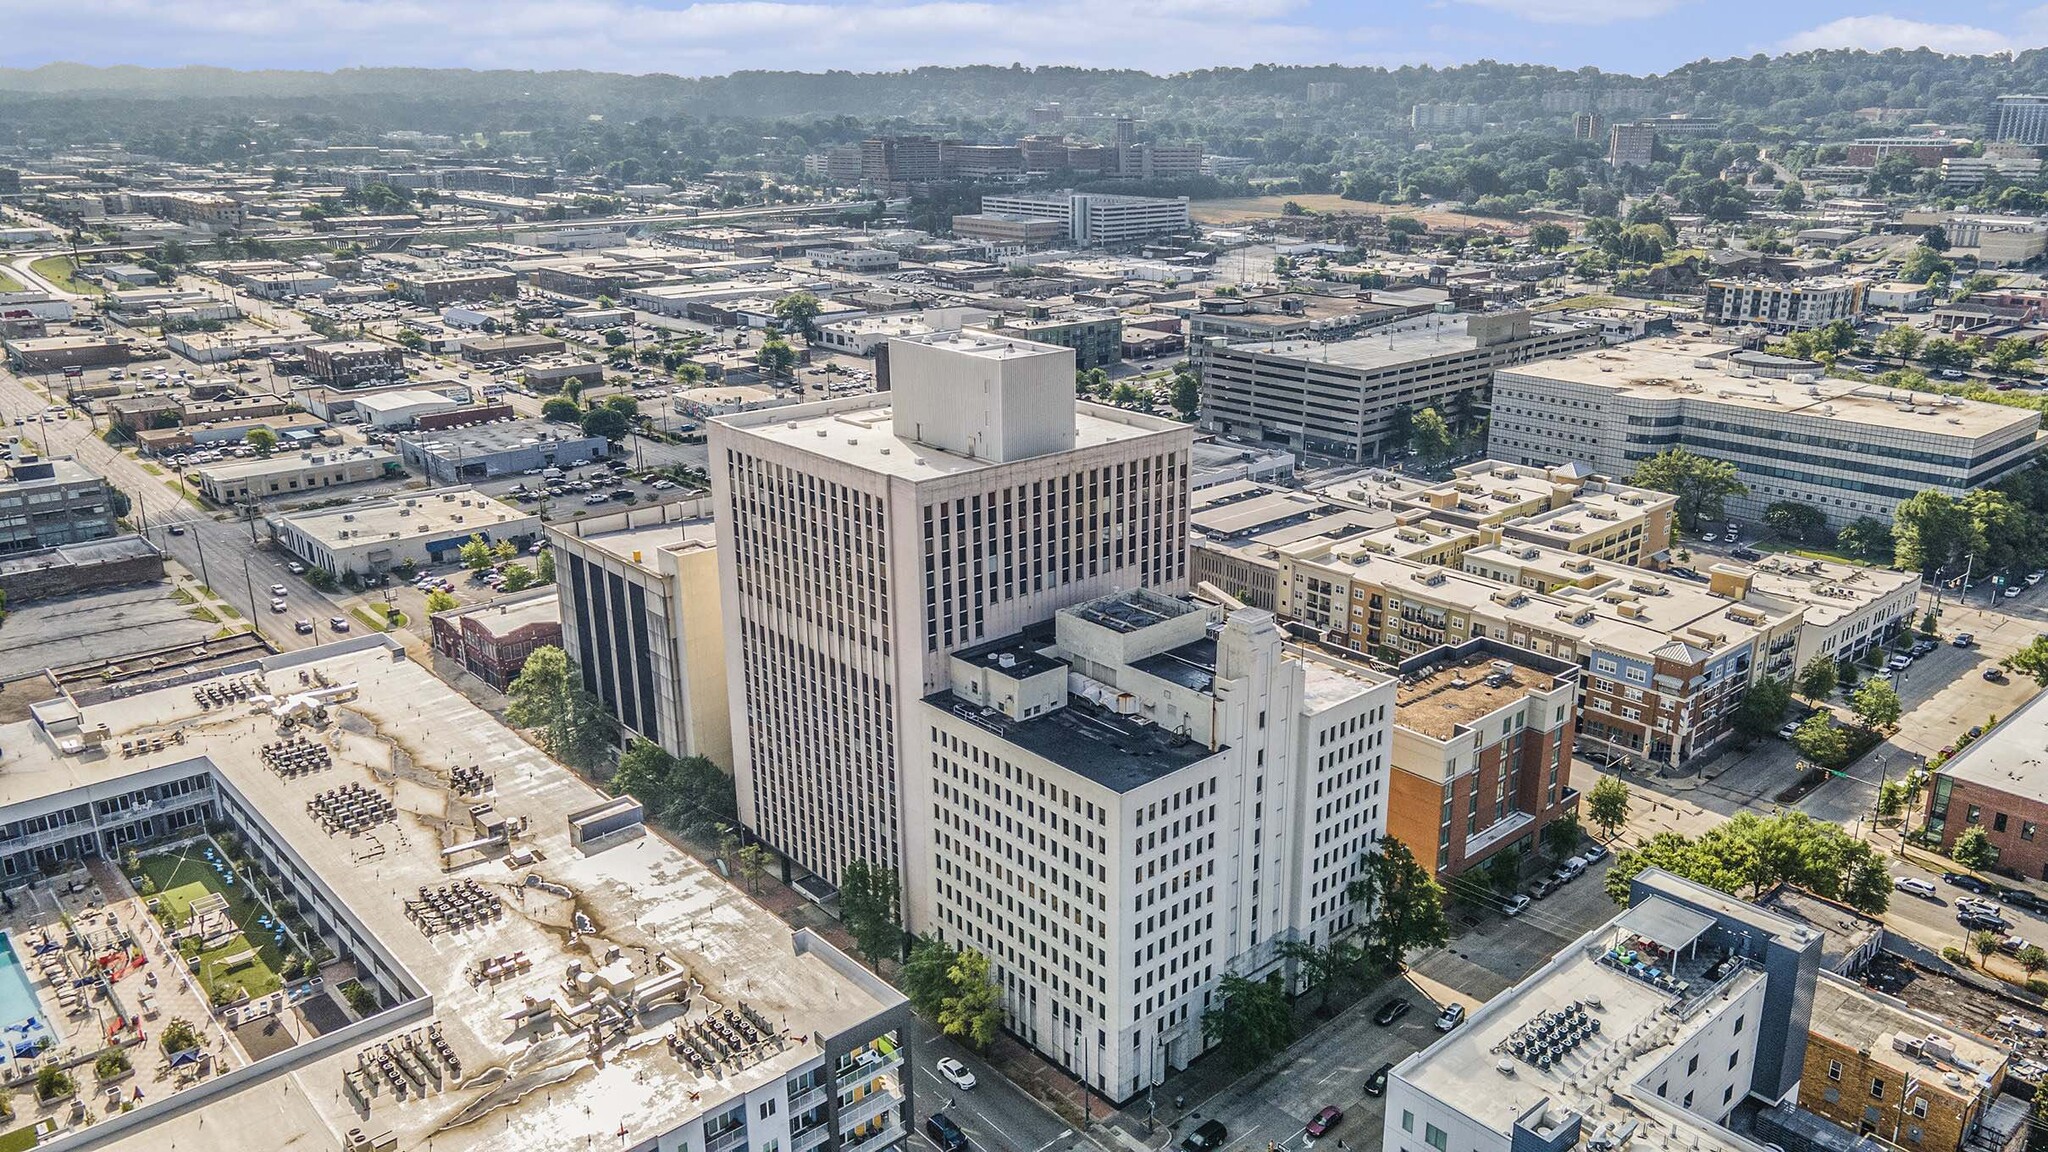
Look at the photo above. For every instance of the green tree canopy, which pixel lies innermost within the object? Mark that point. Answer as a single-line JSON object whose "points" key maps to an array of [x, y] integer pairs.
{"points": [[1184, 392], [1701, 483], [1876, 705], [1762, 708], [1430, 435], [561, 410], [607, 422], [1796, 520], [1818, 678], [1405, 903], [870, 902], [1750, 854], [1607, 804], [1973, 848], [1250, 1021], [798, 312], [1931, 529]]}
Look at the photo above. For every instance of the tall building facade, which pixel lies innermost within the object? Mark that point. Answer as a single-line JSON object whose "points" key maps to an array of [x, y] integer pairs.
{"points": [[863, 540], [1631, 145], [1134, 802], [2022, 120]]}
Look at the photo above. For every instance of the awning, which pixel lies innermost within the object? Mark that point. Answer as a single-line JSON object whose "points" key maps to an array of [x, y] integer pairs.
{"points": [[1668, 925]]}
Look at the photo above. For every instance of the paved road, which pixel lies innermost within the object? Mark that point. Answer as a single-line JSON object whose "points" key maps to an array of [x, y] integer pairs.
{"points": [[996, 1115], [1932, 922]]}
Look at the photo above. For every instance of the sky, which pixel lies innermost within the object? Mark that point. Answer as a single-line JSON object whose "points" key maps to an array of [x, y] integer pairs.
{"points": [[712, 37]]}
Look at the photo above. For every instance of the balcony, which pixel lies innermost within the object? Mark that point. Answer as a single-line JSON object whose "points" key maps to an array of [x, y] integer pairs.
{"points": [[870, 1065], [813, 1137], [730, 1140], [806, 1100], [868, 1107], [880, 1138]]}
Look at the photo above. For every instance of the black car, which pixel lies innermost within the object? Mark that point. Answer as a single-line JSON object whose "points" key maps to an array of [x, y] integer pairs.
{"points": [[945, 1134], [1391, 1011], [1376, 1084], [2021, 898], [1982, 922], [1968, 883], [1207, 1138]]}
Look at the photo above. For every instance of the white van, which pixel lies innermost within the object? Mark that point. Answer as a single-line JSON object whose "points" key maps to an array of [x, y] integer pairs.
{"points": [[551, 473]]}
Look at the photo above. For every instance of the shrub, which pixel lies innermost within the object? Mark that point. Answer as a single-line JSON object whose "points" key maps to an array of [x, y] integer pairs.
{"points": [[178, 1036], [52, 1082], [359, 997], [1956, 956], [111, 1063]]}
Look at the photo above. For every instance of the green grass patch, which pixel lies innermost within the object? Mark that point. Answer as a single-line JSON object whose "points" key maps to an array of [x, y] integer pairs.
{"points": [[58, 270], [201, 612], [1578, 303], [185, 876], [1811, 552], [182, 596], [152, 469], [375, 621], [9, 283], [227, 611], [21, 1139]]}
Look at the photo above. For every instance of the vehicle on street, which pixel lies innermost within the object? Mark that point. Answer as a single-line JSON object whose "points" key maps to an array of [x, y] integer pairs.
{"points": [[1207, 1138], [338, 623], [1995, 674], [1391, 1011], [1982, 921], [278, 590], [278, 605], [1914, 885], [947, 1136], [177, 529], [1966, 882], [1964, 639], [1542, 888], [1513, 905], [1747, 553], [2021, 898], [2034, 578], [1328, 1118], [1975, 906], [303, 627], [1450, 1017], [1788, 729], [1899, 663], [295, 568], [1921, 648], [1594, 853], [1950, 374], [2012, 591], [956, 1073], [1376, 1084]]}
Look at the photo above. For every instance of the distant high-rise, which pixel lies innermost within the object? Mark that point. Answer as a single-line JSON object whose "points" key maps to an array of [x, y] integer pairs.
{"points": [[1631, 145], [1126, 131], [1585, 126], [863, 540], [2022, 119]]}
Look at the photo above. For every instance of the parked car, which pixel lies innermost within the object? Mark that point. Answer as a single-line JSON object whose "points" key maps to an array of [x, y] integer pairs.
{"points": [[1982, 922], [1747, 553], [1788, 729], [2034, 578], [1922, 647], [946, 1136], [2021, 898], [1323, 1121], [1966, 882], [1899, 663], [1391, 1011], [2011, 591], [1542, 887], [1452, 1016], [338, 623], [956, 1073], [1376, 1084], [2011, 945], [1513, 905], [1594, 853], [1995, 674], [1207, 1138], [1914, 885], [1964, 639]]}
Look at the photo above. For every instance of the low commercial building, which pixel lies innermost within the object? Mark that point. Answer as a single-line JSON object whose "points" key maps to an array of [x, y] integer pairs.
{"points": [[510, 348], [863, 334], [640, 616], [503, 448], [548, 374], [69, 569], [376, 536], [854, 259], [48, 502], [1339, 400], [1684, 1006], [345, 363], [1783, 306], [288, 474], [492, 641], [704, 403], [402, 409], [1996, 783], [1848, 610], [1482, 749], [1849, 449], [1875, 1065], [55, 353], [1899, 296], [437, 288]]}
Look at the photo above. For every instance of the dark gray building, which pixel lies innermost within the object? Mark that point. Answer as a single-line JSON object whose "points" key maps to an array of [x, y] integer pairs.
{"points": [[481, 451], [44, 503]]}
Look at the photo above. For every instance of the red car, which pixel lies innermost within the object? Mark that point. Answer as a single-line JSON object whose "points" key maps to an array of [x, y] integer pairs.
{"points": [[1324, 1121]]}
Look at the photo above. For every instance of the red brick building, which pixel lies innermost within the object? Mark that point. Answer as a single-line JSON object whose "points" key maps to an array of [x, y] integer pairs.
{"points": [[493, 640], [2000, 784]]}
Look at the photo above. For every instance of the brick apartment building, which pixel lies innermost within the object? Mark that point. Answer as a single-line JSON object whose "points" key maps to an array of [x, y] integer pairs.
{"points": [[1999, 784], [492, 641], [1875, 1066], [1482, 747]]}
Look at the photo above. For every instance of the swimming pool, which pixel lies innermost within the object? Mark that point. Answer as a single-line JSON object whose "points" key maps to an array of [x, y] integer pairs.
{"points": [[22, 1019]]}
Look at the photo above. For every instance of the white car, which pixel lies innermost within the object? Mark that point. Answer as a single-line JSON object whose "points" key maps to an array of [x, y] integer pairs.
{"points": [[956, 1073], [2012, 592], [279, 605], [277, 590], [1915, 885], [1450, 1018]]}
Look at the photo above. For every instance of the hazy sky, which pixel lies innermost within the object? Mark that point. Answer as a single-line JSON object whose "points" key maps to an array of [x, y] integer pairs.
{"points": [[717, 36]]}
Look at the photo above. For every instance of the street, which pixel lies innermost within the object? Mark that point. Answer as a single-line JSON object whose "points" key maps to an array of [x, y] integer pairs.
{"points": [[996, 1115]]}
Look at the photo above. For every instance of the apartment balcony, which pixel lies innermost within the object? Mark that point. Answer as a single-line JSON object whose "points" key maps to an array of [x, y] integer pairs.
{"points": [[813, 1137], [880, 1138], [806, 1100], [731, 1140], [868, 1107], [871, 1065]]}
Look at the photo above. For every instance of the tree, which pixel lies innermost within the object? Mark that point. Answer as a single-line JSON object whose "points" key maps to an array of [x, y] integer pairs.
{"points": [[973, 1014], [798, 312], [1792, 197], [1250, 1021], [926, 977], [1762, 708], [753, 863], [2011, 354], [1796, 520], [1876, 705], [548, 696], [607, 422], [1126, 395], [1983, 944], [1931, 529], [439, 601], [1821, 741], [476, 554], [1866, 538], [1549, 237], [1749, 854], [544, 568], [869, 896], [1406, 904], [1185, 394], [561, 410], [776, 358], [2031, 660], [1891, 798], [2032, 959], [178, 1036], [624, 405], [1563, 834], [1607, 804], [1701, 483], [1901, 340], [1817, 680], [1973, 848], [518, 578], [615, 337], [263, 440], [1429, 434], [1504, 870], [1942, 352], [1924, 264]]}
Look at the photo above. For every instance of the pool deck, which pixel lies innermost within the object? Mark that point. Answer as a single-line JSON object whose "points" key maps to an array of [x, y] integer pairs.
{"points": [[643, 902]]}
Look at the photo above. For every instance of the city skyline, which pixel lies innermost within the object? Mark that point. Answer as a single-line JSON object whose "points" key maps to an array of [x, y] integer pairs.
{"points": [[1159, 36]]}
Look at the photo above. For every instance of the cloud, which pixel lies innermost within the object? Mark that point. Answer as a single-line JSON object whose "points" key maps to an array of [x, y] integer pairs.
{"points": [[1578, 11], [1876, 33], [701, 38]]}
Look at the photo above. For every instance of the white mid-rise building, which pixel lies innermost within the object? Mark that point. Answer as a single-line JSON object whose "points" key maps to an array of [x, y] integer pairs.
{"points": [[1095, 218], [861, 541], [1783, 306], [1131, 804]]}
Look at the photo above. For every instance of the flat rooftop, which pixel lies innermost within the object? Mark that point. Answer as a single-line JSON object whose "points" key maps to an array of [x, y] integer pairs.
{"points": [[860, 431], [638, 545], [1853, 1016], [1089, 741], [509, 614], [439, 512], [1677, 368], [2010, 757], [403, 736], [495, 436], [279, 463], [1455, 695]]}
